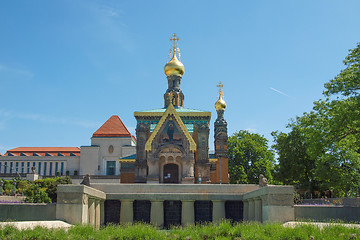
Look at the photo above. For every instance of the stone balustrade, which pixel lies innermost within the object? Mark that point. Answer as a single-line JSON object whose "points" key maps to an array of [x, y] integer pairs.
{"points": [[167, 204], [80, 204], [270, 203]]}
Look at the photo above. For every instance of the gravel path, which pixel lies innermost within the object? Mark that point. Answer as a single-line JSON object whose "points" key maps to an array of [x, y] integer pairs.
{"points": [[33, 224], [320, 224]]}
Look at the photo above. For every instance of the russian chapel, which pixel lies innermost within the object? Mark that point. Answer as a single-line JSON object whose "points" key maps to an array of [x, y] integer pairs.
{"points": [[173, 141]]}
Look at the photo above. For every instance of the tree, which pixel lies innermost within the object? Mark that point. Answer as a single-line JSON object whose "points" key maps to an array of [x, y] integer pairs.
{"points": [[50, 185], [36, 194], [330, 135], [342, 105], [347, 82], [340, 114], [295, 165], [249, 156]]}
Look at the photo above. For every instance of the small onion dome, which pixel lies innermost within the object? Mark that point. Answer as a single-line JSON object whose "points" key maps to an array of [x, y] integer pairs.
{"points": [[220, 104], [174, 67]]}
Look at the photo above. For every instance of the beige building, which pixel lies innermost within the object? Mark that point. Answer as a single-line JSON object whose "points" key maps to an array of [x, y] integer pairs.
{"points": [[109, 143]]}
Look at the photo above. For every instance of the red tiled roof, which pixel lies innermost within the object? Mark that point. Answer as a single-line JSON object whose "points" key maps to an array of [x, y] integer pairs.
{"points": [[113, 127], [42, 151]]}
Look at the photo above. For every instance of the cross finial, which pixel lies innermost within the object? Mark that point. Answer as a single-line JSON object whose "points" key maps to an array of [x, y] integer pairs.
{"points": [[174, 41], [220, 91]]}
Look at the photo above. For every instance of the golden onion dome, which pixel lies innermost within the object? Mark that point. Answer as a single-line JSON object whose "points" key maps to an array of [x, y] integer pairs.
{"points": [[220, 104], [174, 67]]}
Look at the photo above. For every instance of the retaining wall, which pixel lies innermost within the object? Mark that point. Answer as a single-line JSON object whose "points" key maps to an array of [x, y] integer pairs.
{"points": [[325, 213], [27, 212]]}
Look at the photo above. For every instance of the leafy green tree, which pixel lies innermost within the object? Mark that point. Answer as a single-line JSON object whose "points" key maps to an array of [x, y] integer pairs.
{"points": [[347, 82], [50, 185], [329, 136], [295, 165], [341, 108], [36, 194], [339, 115], [249, 156]]}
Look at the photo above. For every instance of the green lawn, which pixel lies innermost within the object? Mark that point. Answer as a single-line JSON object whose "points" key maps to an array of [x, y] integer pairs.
{"points": [[209, 231]]}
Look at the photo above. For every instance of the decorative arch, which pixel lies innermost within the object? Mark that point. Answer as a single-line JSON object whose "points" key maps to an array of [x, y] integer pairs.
{"points": [[170, 112], [171, 173], [169, 155]]}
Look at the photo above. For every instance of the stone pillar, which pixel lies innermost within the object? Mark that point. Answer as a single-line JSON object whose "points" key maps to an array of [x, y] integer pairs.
{"points": [[74, 211], [277, 204], [251, 210], [141, 162], [102, 212], [32, 177], [157, 213], [97, 214], [258, 210], [187, 212], [75, 203], [126, 211], [246, 210], [218, 210], [91, 212]]}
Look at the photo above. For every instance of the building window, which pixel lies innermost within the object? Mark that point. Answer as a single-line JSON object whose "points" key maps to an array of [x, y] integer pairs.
{"points": [[28, 167], [39, 169], [50, 168], [11, 167], [22, 167], [0, 167], [62, 169], [5, 167], [34, 165], [56, 168], [45, 163], [110, 168], [17, 167]]}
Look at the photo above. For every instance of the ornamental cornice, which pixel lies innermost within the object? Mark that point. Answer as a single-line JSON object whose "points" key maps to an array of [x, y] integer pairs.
{"points": [[170, 111]]}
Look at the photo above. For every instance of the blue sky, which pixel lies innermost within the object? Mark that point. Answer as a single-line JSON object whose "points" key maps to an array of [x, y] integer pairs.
{"points": [[67, 66]]}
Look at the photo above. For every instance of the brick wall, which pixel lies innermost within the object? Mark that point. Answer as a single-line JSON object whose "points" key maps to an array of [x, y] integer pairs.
{"points": [[127, 177]]}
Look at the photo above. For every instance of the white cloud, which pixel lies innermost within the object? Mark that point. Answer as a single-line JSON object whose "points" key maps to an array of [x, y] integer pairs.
{"points": [[2, 125], [4, 148], [278, 91], [48, 119], [2, 67], [109, 11], [10, 72], [132, 130], [252, 130]]}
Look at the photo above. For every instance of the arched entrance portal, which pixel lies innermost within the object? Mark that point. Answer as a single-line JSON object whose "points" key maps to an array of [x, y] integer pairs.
{"points": [[171, 173]]}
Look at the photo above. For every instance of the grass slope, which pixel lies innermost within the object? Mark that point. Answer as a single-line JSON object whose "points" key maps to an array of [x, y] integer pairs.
{"points": [[224, 230]]}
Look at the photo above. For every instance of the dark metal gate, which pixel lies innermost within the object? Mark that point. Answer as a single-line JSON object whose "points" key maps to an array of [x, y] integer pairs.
{"points": [[234, 210], [142, 210], [172, 213], [112, 211], [203, 211]]}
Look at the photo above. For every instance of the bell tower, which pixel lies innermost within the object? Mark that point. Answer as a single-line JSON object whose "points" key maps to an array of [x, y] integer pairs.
{"points": [[174, 71], [221, 138]]}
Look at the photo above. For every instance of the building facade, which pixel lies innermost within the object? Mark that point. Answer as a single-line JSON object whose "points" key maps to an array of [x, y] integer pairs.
{"points": [[171, 144], [47, 161], [109, 143], [173, 141]]}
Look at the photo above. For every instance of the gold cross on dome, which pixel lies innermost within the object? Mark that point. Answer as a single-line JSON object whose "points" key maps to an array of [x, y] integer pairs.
{"points": [[174, 39], [220, 86]]}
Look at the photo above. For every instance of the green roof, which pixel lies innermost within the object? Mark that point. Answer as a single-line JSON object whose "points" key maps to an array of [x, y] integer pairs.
{"points": [[178, 109], [212, 155], [129, 157], [189, 127]]}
